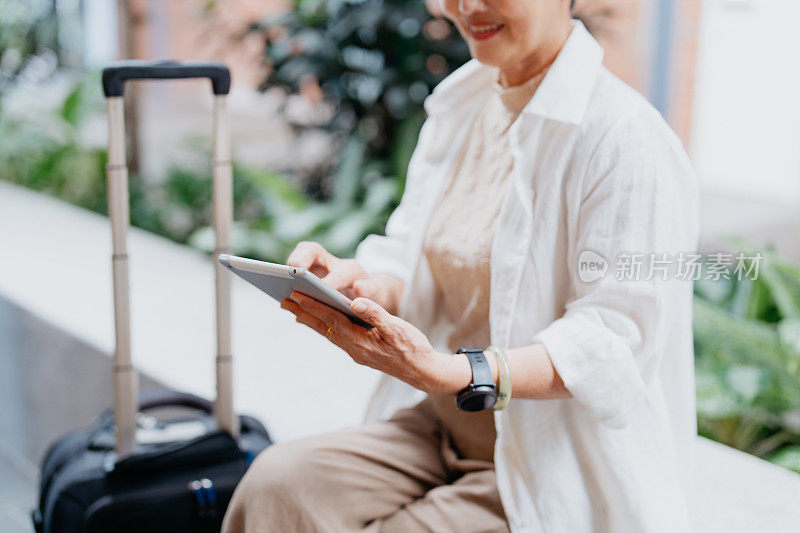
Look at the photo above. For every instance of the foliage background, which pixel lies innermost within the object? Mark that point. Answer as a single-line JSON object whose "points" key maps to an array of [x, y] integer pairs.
{"points": [[747, 360]]}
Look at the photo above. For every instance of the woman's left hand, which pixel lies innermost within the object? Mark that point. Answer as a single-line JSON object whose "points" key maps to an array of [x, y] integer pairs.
{"points": [[392, 345]]}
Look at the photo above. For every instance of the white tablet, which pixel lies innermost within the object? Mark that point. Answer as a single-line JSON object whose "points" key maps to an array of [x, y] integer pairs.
{"points": [[279, 281]]}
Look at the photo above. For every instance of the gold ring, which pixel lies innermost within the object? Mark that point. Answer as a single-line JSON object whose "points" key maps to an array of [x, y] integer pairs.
{"points": [[329, 333]]}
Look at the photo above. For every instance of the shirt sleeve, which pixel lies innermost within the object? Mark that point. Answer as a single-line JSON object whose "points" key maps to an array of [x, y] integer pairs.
{"points": [[636, 199], [387, 254]]}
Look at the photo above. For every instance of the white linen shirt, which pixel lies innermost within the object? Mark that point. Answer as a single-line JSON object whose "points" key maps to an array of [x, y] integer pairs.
{"points": [[595, 168]]}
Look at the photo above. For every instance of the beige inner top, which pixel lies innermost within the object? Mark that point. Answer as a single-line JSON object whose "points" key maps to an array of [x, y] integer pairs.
{"points": [[458, 244]]}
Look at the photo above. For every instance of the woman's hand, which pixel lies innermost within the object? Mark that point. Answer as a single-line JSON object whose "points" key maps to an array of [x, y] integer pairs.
{"points": [[347, 275], [384, 289], [338, 273], [392, 345]]}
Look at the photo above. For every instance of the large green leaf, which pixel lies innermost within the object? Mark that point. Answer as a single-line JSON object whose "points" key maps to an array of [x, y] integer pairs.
{"points": [[718, 332], [788, 457], [277, 194], [303, 224], [405, 143], [347, 179], [723, 340], [380, 197], [715, 398], [718, 292], [783, 279], [789, 336], [244, 241], [347, 231], [71, 108]]}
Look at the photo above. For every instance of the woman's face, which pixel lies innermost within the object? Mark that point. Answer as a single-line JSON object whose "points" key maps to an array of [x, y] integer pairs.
{"points": [[503, 33]]}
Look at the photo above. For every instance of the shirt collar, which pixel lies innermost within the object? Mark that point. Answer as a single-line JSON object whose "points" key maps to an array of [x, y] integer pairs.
{"points": [[562, 96]]}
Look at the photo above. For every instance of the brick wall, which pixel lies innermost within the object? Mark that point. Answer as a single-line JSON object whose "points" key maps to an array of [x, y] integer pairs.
{"points": [[626, 29]]}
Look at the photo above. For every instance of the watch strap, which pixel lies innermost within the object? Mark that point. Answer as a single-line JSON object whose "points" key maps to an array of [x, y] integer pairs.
{"points": [[481, 371]]}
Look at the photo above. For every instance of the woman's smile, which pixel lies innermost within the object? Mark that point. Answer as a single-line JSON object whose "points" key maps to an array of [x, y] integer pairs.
{"points": [[520, 37], [481, 31]]}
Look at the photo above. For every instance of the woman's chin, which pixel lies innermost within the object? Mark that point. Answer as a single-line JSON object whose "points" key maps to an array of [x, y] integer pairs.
{"points": [[487, 57], [494, 52]]}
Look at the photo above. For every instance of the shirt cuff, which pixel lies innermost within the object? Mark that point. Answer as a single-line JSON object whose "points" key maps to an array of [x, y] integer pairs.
{"points": [[597, 368]]}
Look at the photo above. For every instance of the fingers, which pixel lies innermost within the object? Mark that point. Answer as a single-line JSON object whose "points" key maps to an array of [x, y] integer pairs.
{"points": [[327, 315], [307, 254], [384, 289], [342, 274], [307, 319], [370, 312], [363, 287], [299, 312], [368, 288]]}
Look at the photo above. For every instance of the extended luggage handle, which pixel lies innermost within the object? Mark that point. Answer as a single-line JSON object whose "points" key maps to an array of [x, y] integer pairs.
{"points": [[115, 76], [125, 377]]}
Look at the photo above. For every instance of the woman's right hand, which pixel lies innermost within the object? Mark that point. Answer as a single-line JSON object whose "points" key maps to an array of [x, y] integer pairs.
{"points": [[347, 275]]}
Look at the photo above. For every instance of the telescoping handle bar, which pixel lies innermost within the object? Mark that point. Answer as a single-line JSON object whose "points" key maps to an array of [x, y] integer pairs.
{"points": [[115, 76], [126, 383]]}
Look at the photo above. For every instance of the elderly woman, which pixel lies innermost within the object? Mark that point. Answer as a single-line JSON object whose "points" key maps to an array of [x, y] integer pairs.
{"points": [[538, 184]]}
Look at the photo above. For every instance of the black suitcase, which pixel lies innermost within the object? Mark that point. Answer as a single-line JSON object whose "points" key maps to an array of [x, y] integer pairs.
{"points": [[169, 487], [131, 471]]}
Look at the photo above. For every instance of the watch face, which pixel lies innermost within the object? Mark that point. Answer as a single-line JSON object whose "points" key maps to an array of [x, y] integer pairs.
{"points": [[477, 399]]}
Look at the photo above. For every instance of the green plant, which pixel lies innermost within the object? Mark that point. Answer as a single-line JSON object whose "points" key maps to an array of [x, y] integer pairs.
{"points": [[27, 28], [42, 149], [747, 349], [374, 60], [358, 205]]}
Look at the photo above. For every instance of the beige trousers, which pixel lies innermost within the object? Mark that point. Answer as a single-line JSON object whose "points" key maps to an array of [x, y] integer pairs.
{"points": [[402, 475]]}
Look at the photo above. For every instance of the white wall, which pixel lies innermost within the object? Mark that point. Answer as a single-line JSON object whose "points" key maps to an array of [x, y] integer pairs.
{"points": [[746, 124], [100, 40]]}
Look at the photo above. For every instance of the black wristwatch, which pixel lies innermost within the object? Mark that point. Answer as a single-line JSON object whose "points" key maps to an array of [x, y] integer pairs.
{"points": [[481, 393]]}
